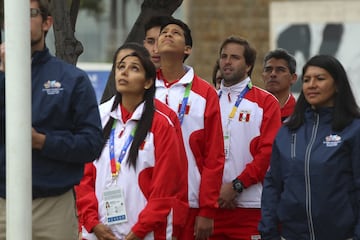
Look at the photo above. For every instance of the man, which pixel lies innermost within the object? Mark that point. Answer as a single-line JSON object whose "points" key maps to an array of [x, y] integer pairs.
{"points": [[250, 120], [152, 31], [66, 133], [197, 106], [278, 75]]}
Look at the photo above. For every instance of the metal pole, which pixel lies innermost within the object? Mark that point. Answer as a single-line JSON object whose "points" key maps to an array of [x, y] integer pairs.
{"points": [[18, 120]]}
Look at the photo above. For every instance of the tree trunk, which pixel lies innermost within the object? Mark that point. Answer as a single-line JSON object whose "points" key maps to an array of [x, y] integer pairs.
{"points": [[67, 46], [150, 8]]}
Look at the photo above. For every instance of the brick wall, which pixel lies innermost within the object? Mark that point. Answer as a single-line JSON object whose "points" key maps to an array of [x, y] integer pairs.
{"points": [[211, 21]]}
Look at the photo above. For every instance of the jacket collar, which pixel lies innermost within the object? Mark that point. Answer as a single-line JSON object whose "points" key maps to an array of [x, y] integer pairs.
{"points": [[187, 78], [235, 89], [40, 56]]}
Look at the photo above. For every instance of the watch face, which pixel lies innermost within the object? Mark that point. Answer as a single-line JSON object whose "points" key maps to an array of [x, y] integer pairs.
{"points": [[238, 186]]}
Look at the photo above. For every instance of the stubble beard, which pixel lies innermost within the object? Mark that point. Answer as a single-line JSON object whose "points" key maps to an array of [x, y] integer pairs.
{"points": [[233, 79]]}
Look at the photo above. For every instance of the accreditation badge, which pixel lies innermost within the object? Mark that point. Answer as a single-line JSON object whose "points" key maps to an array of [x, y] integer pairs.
{"points": [[114, 201], [227, 144]]}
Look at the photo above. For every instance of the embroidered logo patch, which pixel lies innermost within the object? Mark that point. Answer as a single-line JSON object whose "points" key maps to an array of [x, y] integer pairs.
{"points": [[244, 116], [52, 87], [332, 140]]}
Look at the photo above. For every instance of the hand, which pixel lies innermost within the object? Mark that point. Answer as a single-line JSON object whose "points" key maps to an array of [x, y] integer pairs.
{"points": [[203, 228], [131, 236], [227, 196], [103, 232], [2, 57], [38, 139]]}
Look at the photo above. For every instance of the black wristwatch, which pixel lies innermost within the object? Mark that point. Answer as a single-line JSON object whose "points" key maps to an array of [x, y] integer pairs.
{"points": [[237, 185]]}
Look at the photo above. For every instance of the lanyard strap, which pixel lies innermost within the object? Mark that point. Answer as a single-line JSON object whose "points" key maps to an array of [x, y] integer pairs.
{"points": [[238, 100], [184, 102], [129, 140]]}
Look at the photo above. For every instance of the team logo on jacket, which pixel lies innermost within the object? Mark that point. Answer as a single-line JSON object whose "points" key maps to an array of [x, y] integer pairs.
{"points": [[187, 108], [52, 87], [332, 140], [244, 116]]}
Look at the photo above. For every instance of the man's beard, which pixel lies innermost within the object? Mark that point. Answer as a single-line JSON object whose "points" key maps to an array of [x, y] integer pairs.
{"points": [[233, 79]]}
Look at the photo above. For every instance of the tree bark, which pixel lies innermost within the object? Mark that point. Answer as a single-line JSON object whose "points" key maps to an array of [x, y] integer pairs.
{"points": [[67, 46], [150, 8]]}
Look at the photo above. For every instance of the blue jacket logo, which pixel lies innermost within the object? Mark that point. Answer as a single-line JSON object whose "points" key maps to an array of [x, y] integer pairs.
{"points": [[332, 140], [52, 87]]}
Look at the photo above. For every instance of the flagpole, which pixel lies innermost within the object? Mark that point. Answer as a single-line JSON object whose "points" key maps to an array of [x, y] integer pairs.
{"points": [[18, 120]]}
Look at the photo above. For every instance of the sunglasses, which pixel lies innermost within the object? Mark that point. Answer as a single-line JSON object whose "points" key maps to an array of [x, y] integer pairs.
{"points": [[34, 12]]}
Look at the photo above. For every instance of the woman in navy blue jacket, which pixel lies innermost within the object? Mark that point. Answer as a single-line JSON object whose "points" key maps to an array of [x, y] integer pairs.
{"points": [[312, 189]]}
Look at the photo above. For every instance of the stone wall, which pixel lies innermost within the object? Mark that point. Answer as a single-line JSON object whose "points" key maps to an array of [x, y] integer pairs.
{"points": [[212, 21]]}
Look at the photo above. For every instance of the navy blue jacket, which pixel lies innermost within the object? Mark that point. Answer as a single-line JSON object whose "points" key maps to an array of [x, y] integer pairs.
{"points": [[312, 190], [64, 108]]}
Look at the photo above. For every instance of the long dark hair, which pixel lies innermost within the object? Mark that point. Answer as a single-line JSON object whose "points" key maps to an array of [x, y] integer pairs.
{"points": [[345, 106], [110, 89], [146, 119]]}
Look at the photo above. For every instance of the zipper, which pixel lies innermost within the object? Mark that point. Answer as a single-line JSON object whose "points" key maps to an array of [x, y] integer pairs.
{"points": [[307, 177], [293, 146]]}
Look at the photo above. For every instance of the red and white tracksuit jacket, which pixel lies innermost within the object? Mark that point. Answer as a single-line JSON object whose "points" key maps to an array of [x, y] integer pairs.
{"points": [[203, 138], [288, 108], [252, 132], [155, 192]]}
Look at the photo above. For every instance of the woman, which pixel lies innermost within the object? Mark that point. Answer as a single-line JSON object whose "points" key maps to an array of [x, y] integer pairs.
{"points": [[312, 190], [216, 75], [135, 190]]}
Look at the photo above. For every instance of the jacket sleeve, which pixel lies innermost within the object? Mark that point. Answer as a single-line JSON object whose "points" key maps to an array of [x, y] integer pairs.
{"points": [[86, 201], [83, 142], [260, 147], [268, 226], [168, 184], [355, 157], [214, 158], [2, 109]]}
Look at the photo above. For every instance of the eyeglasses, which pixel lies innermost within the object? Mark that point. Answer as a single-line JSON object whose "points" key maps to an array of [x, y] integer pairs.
{"points": [[34, 12]]}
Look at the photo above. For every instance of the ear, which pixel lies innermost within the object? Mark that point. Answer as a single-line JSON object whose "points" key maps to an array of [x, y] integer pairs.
{"points": [[47, 23], [187, 50], [293, 78], [148, 83]]}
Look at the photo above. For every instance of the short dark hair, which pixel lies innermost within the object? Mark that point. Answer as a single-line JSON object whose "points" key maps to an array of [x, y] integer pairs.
{"points": [[155, 21], [281, 53], [249, 51], [184, 27], [345, 106]]}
